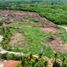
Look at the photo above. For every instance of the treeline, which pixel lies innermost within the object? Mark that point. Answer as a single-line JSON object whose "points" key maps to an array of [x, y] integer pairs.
{"points": [[54, 12], [35, 1]]}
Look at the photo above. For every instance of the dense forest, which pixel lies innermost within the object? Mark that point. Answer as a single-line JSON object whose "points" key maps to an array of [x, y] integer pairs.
{"points": [[36, 0]]}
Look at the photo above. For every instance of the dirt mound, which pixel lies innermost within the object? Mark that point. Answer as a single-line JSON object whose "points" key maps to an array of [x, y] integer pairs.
{"points": [[16, 40], [57, 45]]}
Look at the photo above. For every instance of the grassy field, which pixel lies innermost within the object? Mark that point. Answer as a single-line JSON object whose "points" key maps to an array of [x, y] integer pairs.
{"points": [[33, 39]]}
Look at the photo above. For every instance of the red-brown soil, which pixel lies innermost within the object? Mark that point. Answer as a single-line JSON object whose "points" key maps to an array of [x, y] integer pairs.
{"points": [[11, 63]]}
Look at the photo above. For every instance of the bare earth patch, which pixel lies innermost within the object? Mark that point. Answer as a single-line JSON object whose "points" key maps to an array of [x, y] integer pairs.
{"points": [[16, 40], [57, 45], [50, 29], [13, 15]]}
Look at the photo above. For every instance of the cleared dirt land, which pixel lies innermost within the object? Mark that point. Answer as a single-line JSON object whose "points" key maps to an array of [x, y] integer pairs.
{"points": [[11, 18]]}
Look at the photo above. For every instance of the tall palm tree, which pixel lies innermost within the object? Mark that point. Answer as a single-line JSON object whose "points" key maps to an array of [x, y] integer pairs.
{"points": [[3, 24], [64, 64], [46, 63], [56, 64]]}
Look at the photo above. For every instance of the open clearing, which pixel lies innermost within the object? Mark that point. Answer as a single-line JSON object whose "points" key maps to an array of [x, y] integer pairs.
{"points": [[20, 20]]}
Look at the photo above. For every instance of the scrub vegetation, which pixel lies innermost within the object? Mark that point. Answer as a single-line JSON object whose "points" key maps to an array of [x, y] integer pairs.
{"points": [[34, 29]]}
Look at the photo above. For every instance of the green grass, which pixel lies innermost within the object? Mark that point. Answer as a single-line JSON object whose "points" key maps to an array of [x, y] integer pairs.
{"points": [[33, 37], [36, 42], [36, 49], [20, 25], [26, 22]]}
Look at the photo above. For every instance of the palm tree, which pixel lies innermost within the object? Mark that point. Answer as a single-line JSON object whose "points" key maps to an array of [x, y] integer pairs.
{"points": [[64, 64], [33, 64], [52, 2], [56, 56], [40, 55], [31, 56], [56, 64], [45, 63], [23, 61]]}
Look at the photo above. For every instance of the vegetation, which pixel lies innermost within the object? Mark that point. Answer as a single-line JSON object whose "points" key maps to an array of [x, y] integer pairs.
{"points": [[30, 45], [32, 61], [34, 44], [55, 13], [32, 39], [62, 34]]}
